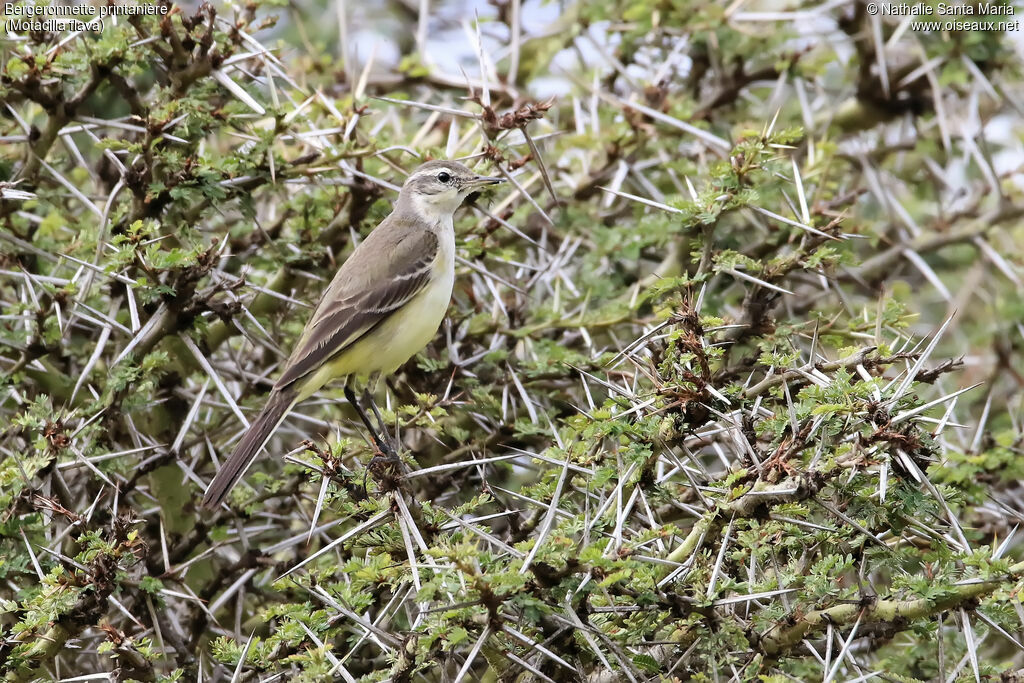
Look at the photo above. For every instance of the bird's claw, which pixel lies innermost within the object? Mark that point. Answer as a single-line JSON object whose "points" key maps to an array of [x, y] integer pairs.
{"points": [[385, 466]]}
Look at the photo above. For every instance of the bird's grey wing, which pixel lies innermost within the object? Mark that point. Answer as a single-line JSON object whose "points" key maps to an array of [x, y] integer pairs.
{"points": [[354, 310]]}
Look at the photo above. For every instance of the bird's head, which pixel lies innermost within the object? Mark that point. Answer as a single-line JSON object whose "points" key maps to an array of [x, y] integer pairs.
{"points": [[437, 188]]}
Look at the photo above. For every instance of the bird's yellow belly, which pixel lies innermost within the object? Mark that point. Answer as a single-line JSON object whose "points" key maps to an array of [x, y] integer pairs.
{"points": [[391, 343]]}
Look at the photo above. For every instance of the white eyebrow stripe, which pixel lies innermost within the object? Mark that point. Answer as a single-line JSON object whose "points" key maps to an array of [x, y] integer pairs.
{"points": [[429, 173], [432, 172]]}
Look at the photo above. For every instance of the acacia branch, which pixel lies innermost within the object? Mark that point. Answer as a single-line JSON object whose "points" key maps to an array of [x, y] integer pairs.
{"points": [[875, 266], [893, 612], [861, 357]]}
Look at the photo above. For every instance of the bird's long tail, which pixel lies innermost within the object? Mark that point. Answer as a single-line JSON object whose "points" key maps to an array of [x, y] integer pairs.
{"points": [[255, 438]]}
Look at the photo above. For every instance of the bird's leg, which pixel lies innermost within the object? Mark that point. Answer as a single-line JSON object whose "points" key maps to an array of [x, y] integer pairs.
{"points": [[384, 446], [368, 398], [385, 465]]}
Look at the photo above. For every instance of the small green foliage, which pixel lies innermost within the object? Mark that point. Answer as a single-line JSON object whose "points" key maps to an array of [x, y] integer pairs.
{"points": [[668, 430]]}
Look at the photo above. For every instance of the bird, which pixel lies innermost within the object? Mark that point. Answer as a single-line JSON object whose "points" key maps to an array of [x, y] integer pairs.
{"points": [[383, 306]]}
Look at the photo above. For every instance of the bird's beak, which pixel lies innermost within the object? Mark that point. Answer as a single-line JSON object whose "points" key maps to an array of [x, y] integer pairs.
{"points": [[482, 180]]}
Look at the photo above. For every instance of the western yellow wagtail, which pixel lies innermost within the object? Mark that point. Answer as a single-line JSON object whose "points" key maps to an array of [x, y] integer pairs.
{"points": [[383, 306]]}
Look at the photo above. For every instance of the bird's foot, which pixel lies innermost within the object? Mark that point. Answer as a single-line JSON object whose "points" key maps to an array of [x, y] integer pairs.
{"points": [[385, 457], [384, 447], [386, 467]]}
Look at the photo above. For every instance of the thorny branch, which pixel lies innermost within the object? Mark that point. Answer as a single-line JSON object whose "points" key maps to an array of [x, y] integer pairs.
{"points": [[602, 480]]}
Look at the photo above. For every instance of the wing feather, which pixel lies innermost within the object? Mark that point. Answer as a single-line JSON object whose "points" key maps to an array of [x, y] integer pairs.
{"points": [[356, 302]]}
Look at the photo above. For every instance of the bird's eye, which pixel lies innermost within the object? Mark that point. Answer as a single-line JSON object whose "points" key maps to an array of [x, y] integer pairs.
{"points": [[444, 177]]}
